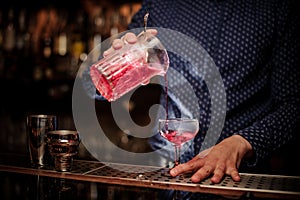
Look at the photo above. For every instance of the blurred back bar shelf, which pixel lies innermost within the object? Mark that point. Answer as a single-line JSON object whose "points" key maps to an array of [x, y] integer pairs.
{"points": [[49, 40], [42, 45]]}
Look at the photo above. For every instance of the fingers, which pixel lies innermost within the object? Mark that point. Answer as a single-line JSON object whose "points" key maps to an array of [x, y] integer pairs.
{"points": [[219, 172], [235, 175], [128, 38], [190, 166], [204, 167], [117, 44], [202, 173], [108, 51], [152, 31]]}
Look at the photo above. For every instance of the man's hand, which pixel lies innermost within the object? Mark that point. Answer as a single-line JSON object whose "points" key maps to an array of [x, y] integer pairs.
{"points": [[221, 159], [129, 38]]}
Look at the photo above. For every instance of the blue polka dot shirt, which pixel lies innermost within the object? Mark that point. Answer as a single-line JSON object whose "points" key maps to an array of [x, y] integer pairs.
{"points": [[255, 46]]}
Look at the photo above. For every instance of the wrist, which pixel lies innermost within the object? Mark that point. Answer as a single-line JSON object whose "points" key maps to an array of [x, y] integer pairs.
{"points": [[247, 150]]}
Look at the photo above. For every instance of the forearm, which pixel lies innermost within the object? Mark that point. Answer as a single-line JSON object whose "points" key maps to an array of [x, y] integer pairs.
{"points": [[273, 131]]}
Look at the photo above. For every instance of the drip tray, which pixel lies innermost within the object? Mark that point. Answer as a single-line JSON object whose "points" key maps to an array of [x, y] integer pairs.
{"points": [[260, 185], [256, 185]]}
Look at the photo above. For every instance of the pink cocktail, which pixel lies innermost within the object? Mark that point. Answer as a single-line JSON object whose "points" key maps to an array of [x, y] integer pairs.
{"points": [[178, 131], [177, 138], [129, 67]]}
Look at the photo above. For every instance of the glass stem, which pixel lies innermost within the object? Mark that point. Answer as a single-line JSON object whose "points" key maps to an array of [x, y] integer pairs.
{"points": [[177, 155]]}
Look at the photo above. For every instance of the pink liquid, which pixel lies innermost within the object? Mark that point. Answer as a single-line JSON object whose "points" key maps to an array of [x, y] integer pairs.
{"points": [[118, 79], [176, 137], [166, 97]]}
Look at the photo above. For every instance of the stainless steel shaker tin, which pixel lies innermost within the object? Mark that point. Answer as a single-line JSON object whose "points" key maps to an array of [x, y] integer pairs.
{"points": [[37, 127]]}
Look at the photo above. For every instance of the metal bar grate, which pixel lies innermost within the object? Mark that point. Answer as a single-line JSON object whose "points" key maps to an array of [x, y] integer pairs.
{"points": [[258, 185], [249, 182]]}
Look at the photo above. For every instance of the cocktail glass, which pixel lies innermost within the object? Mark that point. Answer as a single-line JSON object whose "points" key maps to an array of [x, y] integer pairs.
{"points": [[178, 131]]}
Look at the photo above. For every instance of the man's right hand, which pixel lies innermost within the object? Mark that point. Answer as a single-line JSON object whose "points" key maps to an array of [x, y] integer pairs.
{"points": [[129, 38]]}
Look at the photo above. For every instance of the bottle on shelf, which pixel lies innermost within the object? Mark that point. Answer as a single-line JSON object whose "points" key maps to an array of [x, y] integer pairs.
{"points": [[78, 43], [10, 32]]}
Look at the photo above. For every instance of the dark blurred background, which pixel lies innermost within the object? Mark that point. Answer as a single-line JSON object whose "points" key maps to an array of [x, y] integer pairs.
{"points": [[42, 45]]}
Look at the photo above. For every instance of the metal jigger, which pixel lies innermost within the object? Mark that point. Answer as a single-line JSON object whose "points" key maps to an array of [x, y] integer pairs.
{"points": [[63, 146]]}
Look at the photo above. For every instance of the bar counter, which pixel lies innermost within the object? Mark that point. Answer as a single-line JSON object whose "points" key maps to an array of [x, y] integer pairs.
{"points": [[96, 180]]}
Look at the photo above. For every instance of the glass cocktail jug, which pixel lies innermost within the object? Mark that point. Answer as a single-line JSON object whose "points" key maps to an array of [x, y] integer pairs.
{"points": [[131, 66]]}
